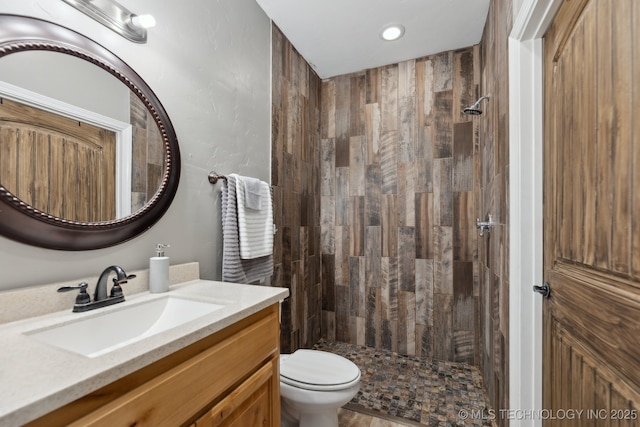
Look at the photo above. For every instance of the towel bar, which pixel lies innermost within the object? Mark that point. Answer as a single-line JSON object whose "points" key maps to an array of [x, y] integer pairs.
{"points": [[214, 177]]}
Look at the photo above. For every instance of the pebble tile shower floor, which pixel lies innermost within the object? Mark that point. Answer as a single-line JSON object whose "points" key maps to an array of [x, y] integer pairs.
{"points": [[422, 391]]}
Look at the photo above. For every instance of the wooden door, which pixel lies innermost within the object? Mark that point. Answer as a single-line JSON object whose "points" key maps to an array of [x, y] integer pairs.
{"points": [[56, 164], [592, 213]]}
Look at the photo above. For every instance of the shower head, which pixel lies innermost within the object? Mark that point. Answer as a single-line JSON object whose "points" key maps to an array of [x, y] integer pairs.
{"points": [[473, 110]]}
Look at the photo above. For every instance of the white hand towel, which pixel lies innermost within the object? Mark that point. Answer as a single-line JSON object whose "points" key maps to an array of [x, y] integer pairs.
{"points": [[252, 193], [255, 227]]}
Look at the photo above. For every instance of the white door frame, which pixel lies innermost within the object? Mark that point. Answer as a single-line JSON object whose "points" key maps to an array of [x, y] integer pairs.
{"points": [[526, 130]]}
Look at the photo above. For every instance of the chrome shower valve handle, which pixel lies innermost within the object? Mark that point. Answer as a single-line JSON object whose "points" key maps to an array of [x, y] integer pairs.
{"points": [[485, 225]]}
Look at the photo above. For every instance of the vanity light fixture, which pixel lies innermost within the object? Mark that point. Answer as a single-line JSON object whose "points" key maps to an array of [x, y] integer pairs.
{"points": [[143, 21], [116, 17], [392, 32]]}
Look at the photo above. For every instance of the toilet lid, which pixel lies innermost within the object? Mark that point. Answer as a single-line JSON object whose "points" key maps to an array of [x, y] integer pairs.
{"points": [[313, 369]]}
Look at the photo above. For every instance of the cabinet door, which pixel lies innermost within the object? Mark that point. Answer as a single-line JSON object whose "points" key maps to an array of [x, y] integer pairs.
{"points": [[254, 403]]}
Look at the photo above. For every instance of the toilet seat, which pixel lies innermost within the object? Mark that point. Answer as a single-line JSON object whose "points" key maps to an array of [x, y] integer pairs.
{"points": [[318, 370]]}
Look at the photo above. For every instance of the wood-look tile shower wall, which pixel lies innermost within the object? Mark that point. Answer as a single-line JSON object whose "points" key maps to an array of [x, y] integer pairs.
{"points": [[295, 179], [399, 258], [492, 198]]}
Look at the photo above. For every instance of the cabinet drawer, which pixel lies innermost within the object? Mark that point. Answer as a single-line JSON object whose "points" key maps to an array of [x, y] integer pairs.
{"points": [[175, 396]]}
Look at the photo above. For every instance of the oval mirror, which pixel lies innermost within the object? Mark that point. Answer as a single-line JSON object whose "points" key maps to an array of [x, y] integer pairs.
{"points": [[88, 155]]}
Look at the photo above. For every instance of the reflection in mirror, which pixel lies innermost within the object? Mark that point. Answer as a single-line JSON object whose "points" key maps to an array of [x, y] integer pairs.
{"points": [[86, 155], [74, 221]]}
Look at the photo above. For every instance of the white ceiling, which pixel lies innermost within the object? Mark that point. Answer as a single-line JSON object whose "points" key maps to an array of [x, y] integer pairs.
{"points": [[343, 36]]}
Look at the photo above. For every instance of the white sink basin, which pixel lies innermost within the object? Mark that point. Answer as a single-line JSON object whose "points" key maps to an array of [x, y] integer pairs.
{"points": [[102, 332]]}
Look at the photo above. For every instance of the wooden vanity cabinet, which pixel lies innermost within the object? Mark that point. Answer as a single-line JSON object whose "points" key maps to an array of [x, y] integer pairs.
{"points": [[230, 378], [250, 404]]}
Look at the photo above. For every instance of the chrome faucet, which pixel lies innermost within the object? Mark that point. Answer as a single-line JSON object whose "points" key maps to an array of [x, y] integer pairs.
{"points": [[100, 298]]}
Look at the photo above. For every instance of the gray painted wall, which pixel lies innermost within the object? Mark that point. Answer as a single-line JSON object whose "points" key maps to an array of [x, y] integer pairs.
{"points": [[209, 64], [55, 76]]}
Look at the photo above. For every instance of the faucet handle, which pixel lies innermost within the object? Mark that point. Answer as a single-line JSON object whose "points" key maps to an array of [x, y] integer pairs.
{"points": [[116, 290], [83, 297], [117, 281]]}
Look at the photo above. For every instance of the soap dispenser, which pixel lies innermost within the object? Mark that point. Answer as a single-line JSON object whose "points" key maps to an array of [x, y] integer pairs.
{"points": [[159, 271]]}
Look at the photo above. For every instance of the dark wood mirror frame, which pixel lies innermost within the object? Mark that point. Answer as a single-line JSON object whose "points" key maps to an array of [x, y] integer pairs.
{"points": [[23, 223]]}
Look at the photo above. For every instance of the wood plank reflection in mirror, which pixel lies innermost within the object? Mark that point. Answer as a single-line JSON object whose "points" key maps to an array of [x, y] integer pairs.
{"points": [[57, 165], [148, 159]]}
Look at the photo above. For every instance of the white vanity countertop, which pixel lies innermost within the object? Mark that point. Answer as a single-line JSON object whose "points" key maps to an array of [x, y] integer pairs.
{"points": [[36, 378]]}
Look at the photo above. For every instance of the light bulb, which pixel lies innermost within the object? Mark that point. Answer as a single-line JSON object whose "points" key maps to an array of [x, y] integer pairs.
{"points": [[143, 21]]}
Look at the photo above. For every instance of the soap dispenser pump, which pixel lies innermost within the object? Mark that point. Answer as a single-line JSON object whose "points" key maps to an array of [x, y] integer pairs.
{"points": [[159, 271]]}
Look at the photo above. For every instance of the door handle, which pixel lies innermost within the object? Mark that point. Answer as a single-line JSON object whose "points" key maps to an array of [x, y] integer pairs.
{"points": [[545, 289]]}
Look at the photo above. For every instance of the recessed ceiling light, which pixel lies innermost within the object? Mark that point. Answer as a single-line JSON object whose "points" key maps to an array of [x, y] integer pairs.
{"points": [[392, 32]]}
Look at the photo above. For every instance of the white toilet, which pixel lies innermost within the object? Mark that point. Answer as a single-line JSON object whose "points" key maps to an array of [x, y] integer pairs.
{"points": [[313, 385]]}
